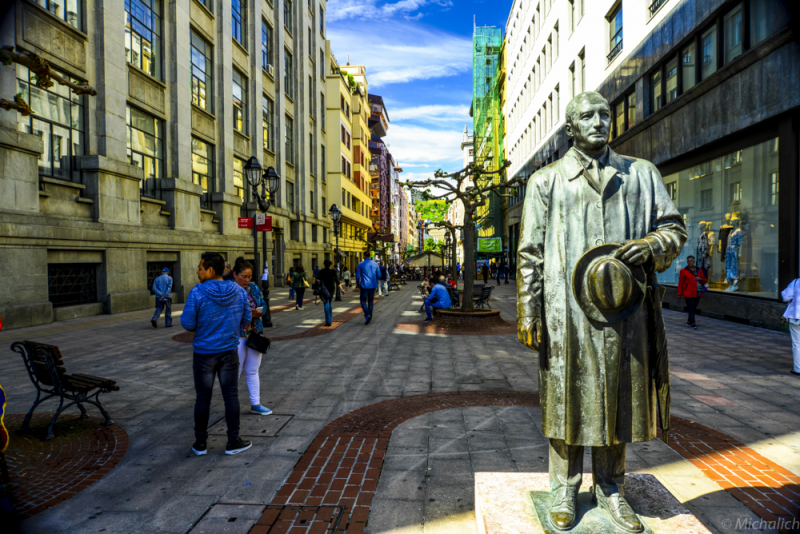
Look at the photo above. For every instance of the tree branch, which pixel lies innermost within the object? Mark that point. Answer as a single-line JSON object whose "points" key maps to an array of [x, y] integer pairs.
{"points": [[44, 75]]}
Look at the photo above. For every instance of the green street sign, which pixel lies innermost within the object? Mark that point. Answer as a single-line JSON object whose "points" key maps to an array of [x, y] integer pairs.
{"points": [[491, 245]]}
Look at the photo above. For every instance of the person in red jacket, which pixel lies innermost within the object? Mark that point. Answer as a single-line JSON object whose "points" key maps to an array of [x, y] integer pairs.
{"points": [[691, 278]]}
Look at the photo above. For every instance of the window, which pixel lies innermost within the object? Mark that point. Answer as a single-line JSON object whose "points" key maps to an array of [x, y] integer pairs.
{"points": [[268, 122], [689, 66], [266, 45], [239, 102], [311, 205], [70, 284], [71, 12], [323, 169], [312, 152], [766, 17], [288, 74], [732, 31], [239, 183], [290, 198], [201, 73], [631, 109], [555, 43], [289, 140], [582, 59], [672, 190], [619, 118], [615, 32], [312, 92], [324, 110], [321, 21], [143, 35], [735, 193], [322, 64], [656, 86], [708, 44], [57, 120], [145, 148], [573, 16], [238, 22], [287, 15], [313, 232], [672, 79], [203, 170]]}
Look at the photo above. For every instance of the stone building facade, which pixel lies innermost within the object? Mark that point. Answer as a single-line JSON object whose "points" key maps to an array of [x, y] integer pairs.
{"points": [[97, 194]]}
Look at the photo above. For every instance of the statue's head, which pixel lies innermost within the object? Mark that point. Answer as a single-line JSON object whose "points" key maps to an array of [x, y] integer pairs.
{"points": [[589, 122]]}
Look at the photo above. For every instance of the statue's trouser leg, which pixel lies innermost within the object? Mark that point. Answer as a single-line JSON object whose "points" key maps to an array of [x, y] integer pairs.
{"points": [[566, 464], [608, 468]]}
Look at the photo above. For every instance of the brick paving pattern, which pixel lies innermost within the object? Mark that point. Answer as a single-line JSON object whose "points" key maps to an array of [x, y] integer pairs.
{"points": [[45, 473]]}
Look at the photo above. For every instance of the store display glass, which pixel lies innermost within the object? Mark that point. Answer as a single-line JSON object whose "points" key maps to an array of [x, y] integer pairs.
{"points": [[730, 207]]}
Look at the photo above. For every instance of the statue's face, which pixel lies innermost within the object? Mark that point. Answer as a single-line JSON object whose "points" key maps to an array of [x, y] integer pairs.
{"points": [[590, 127]]}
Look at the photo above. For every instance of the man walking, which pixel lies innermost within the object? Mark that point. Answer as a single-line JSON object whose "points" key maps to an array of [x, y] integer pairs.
{"points": [[162, 287], [367, 274], [383, 281], [215, 311], [439, 298]]}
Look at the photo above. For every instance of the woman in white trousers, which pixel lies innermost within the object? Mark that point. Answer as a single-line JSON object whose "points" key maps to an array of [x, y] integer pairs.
{"points": [[792, 314]]}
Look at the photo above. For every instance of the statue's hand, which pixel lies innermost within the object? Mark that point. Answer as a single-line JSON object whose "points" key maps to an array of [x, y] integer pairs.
{"points": [[529, 332], [635, 252]]}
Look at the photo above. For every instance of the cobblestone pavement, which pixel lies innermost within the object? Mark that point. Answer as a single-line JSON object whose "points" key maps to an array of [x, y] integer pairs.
{"points": [[731, 378]]}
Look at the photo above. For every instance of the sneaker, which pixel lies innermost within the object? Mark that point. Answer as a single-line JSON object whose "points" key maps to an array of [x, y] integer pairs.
{"points": [[694, 327], [154, 323], [260, 410], [199, 448], [169, 326], [300, 308], [238, 446], [427, 320]]}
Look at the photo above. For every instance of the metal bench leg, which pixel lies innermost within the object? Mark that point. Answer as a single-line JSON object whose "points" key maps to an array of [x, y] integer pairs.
{"points": [[26, 423], [84, 415], [96, 402], [49, 434]]}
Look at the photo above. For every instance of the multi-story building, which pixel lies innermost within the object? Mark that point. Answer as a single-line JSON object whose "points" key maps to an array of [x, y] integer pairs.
{"points": [[101, 192], [381, 169], [398, 211], [348, 156], [698, 89]]}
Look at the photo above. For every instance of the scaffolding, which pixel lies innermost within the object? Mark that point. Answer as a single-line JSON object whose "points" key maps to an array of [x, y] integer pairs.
{"points": [[488, 124]]}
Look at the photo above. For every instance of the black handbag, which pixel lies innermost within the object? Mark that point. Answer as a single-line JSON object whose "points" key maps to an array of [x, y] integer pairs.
{"points": [[257, 342]]}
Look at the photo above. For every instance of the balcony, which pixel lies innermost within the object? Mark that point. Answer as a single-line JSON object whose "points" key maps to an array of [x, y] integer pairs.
{"points": [[615, 51], [655, 6]]}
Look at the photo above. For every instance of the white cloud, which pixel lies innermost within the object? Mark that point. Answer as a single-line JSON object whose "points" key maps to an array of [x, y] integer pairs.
{"points": [[432, 112], [415, 145], [372, 10], [401, 52]]}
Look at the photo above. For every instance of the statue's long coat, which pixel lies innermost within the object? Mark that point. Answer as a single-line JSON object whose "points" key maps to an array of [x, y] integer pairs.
{"points": [[594, 378]]}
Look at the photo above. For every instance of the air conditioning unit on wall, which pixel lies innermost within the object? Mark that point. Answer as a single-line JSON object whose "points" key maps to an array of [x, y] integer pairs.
{"points": [[271, 70]]}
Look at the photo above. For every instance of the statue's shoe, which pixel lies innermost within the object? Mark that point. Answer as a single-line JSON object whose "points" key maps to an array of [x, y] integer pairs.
{"points": [[620, 511], [562, 509]]}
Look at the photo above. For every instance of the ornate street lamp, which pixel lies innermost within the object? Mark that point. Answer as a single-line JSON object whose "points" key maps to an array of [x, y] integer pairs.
{"points": [[336, 216]]}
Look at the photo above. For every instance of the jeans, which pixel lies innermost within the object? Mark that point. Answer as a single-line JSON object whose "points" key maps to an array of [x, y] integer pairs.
{"points": [[249, 362], [205, 368], [429, 308], [291, 292], [328, 312], [299, 292], [160, 305], [367, 296], [383, 287], [691, 306], [794, 330]]}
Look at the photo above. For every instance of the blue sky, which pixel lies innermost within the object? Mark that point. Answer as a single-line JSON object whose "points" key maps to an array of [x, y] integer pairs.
{"points": [[418, 55]]}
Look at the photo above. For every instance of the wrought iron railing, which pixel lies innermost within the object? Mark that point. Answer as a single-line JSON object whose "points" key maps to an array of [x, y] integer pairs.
{"points": [[70, 284], [655, 6], [615, 51]]}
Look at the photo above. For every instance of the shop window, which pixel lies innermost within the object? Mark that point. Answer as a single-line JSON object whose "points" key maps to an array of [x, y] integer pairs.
{"points": [[741, 222], [689, 66], [145, 149], [708, 45], [57, 120], [203, 170], [71, 284], [732, 31], [143, 35]]}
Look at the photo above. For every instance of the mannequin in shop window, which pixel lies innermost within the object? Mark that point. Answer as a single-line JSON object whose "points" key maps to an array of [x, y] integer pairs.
{"points": [[732, 255], [724, 231], [703, 249], [712, 241]]}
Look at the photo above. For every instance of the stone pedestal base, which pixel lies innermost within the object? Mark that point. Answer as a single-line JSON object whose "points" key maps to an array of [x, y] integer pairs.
{"points": [[505, 503]]}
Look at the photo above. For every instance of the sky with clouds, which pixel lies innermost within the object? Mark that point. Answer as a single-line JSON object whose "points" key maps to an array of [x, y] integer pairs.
{"points": [[418, 56]]}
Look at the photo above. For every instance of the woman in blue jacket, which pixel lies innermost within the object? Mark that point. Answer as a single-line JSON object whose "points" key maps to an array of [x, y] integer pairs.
{"points": [[249, 359]]}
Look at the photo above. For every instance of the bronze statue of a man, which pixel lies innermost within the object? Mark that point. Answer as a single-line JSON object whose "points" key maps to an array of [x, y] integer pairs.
{"points": [[596, 228]]}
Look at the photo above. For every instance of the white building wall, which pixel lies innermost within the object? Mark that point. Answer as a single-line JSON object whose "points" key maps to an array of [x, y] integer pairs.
{"points": [[545, 45]]}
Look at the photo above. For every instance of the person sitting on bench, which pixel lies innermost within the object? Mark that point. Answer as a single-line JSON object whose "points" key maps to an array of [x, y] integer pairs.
{"points": [[440, 298]]}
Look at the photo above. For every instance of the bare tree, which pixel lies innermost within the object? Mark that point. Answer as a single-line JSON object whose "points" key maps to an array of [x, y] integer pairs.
{"points": [[472, 185]]}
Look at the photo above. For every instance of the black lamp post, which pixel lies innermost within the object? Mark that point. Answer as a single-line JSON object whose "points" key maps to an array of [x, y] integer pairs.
{"points": [[336, 216], [271, 180]]}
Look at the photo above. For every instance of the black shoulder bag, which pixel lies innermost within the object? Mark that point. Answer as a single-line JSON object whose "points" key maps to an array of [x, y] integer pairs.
{"points": [[257, 342]]}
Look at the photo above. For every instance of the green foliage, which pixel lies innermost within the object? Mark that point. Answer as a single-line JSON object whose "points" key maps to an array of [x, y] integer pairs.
{"points": [[434, 246], [433, 210], [351, 81]]}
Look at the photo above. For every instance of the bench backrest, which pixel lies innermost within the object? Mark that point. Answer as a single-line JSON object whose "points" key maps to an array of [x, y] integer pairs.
{"points": [[44, 363]]}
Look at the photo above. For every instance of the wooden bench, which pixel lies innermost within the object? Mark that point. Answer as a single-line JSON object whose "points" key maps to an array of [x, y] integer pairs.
{"points": [[46, 369], [483, 299]]}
